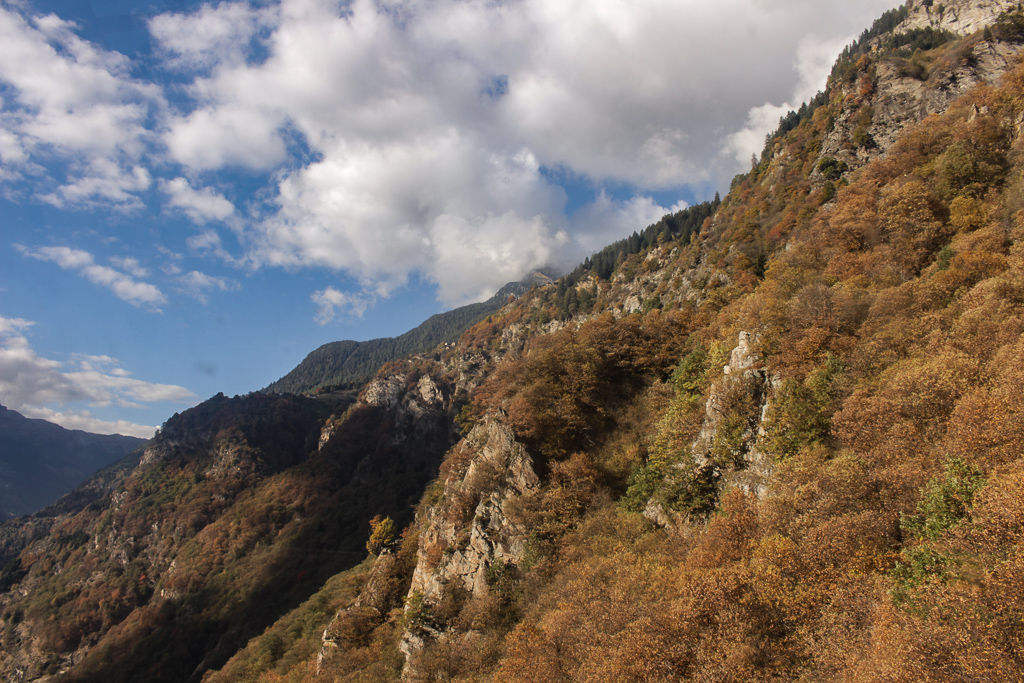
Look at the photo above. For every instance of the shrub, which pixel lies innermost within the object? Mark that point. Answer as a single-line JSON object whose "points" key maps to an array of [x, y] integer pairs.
{"points": [[799, 413], [945, 500], [382, 534]]}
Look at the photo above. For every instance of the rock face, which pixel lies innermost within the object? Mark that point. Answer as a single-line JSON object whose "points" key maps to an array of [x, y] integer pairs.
{"points": [[469, 529], [962, 17], [497, 470], [744, 375], [875, 112], [384, 392], [726, 448]]}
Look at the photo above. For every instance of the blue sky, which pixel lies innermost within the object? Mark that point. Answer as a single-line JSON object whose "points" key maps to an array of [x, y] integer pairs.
{"points": [[194, 196]]}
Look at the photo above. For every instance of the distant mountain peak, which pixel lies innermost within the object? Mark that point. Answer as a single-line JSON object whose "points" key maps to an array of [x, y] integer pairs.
{"points": [[41, 461], [347, 363]]}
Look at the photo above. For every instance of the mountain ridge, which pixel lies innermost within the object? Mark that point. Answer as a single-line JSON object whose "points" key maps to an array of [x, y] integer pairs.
{"points": [[41, 461], [782, 447], [349, 364]]}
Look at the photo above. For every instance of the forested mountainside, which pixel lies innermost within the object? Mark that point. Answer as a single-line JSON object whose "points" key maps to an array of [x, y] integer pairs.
{"points": [[238, 510], [41, 461], [350, 364], [782, 446]]}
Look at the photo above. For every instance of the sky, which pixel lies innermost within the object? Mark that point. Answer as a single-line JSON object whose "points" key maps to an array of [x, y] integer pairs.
{"points": [[194, 196]]}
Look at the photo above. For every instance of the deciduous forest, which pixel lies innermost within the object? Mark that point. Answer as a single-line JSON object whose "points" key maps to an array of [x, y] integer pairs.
{"points": [[775, 436]]}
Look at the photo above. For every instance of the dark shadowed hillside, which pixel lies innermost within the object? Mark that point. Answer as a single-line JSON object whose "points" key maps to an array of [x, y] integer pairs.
{"points": [[238, 510]]}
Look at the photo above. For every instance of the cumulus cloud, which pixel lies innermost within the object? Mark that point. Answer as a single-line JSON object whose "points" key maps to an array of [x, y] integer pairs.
{"points": [[124, 286], [399, 138], [331, 302], [429, 124], [11, 327], [604, 220], [87, 422], [201, 205], [381, 212], [246, 136], [42, 388], [72, 115], [197, 284], [130, 265], [213, 36], [813, 64]]}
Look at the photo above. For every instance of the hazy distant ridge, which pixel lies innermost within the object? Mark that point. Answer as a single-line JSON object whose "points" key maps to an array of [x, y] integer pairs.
{"points": [[41, 461]]}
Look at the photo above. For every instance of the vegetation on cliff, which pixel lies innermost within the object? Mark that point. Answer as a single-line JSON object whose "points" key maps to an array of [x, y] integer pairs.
{"points": [[784, 447], [239, 510], [886, 318], [350, 364]]}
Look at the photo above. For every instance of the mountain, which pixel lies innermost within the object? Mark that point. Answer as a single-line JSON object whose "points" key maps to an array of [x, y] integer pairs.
{"points": [[780, 444], [236, 511], [41, 461], [351, 363]]}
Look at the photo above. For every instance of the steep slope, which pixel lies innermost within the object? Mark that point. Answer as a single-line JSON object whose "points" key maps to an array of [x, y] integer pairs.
{"points": [[784, 451], [237, 511], [352, 363], [41, 461], [868, 514], [782, 447]]}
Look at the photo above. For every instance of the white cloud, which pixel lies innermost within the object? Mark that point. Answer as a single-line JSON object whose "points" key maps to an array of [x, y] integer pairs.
{"points": [[124, 286], [814, 62], [208, 243], [228, 135], [130, 265], [487, 252], [428, 123], [398, 138], [85, 421], [13, 326], [102, 179], [330, 301], [197, 284], [201, 205], [214, 35], [604, 221], [69, 102], [381, 212], [42, 388]]}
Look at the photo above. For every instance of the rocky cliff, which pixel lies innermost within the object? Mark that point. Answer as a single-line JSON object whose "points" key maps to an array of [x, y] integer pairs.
{"points": [[878, 91], [962, 17], [784, 446], [469, 536], [240, 507], [747, 414]]}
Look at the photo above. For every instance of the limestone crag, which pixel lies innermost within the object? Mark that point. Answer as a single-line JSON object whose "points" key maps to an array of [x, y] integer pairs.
{"points": [[962, 17], [726, 448], [745, 385], [469, 529], [384, 392], [415, 405], [874, 114]]}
